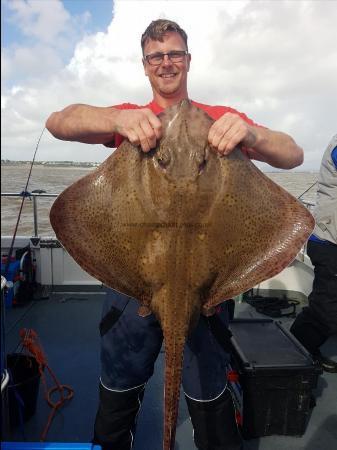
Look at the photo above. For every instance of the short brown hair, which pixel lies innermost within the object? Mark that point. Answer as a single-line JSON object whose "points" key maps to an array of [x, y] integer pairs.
{"points": [[158, 28]]}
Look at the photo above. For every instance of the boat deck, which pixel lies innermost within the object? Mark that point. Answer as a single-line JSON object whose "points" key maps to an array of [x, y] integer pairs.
{"points": [[67, 325]]}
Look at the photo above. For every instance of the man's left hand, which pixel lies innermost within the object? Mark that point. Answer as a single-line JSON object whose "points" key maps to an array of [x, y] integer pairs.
{"points": [[229, 131]]}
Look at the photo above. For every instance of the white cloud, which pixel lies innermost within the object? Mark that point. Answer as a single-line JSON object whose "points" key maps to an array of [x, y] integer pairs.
{"points": [[50, 34], [44, 20], [276, 61], [30, 60]]}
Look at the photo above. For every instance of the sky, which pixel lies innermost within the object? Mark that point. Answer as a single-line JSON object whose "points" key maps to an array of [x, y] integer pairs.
{"points": [[274, 60]]}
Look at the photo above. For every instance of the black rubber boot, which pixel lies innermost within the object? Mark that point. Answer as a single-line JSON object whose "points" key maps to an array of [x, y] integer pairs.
{"points": [[116, 418], [327, 364], [214, 423]]}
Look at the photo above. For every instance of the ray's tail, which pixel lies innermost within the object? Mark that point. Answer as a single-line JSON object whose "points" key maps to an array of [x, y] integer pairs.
{"points": [[174, 347], [177, 318]]}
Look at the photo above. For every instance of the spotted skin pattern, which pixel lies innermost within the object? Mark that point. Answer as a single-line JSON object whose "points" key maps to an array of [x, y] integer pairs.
{"points": [[181, 229]]}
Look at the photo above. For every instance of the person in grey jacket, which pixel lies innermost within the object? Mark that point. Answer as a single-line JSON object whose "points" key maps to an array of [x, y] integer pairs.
{"points": [[318, 321]]}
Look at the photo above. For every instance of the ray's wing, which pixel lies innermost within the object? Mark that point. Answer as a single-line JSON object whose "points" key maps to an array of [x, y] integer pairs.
{"points": [[260, 229], [93, 220]]}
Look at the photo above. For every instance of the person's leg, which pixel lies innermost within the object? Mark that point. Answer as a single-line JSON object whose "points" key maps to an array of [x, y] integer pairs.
{"points": [[115, 423], [307, 331], [129, 347], [208, 399], [316, 322], [214, 423], [323, 298]]}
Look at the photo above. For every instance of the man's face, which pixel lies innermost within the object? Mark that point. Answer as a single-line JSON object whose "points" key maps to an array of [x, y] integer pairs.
{"points": [[168, 79]]}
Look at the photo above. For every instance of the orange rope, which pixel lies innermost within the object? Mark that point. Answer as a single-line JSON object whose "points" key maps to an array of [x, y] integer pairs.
{"points": [[30, 341]]}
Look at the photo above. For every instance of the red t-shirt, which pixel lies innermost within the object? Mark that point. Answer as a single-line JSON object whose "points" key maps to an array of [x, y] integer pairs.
{"points": [[215, 112]]}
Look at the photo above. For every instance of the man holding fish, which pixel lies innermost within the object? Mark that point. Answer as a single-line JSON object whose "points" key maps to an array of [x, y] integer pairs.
{"points": [[131, 343]]}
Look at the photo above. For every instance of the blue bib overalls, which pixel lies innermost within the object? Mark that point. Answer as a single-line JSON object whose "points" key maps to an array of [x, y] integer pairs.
{"points": [[130, 345]]}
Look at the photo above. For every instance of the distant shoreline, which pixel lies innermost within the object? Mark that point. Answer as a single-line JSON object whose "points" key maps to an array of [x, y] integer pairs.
{"points": [[64, 164]]}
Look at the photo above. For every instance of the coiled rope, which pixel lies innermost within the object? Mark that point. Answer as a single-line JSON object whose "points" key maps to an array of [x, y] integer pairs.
{"points": [[31, 343], [272, 306]]}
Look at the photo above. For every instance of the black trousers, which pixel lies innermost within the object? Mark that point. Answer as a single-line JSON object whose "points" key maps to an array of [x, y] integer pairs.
{"points": [[318, 321], [116, 418], [213, 421]]}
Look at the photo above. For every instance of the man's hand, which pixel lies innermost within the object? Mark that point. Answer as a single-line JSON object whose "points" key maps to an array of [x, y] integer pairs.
{"points": [[229, 131], [141, 126]]}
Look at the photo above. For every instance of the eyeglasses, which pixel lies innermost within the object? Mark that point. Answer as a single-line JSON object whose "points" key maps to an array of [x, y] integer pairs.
{"points": [[155, 59]]}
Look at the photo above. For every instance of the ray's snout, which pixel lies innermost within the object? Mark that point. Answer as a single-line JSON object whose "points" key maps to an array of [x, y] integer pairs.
{"points": [[183, 153]]}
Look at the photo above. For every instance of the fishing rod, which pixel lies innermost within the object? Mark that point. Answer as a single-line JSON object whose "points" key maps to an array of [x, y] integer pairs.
{"points": [[313, 184], [24, 194]]}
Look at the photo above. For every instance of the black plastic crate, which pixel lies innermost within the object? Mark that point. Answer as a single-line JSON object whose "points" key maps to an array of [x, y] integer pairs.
{"points": [[276, 378]]}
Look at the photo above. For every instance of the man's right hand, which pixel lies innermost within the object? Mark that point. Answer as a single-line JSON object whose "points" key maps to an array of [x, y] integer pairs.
{"points": [[140, 126], [97, 125]]}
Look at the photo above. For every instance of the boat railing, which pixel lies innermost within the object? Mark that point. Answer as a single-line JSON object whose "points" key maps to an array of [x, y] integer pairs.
{"points": [[34, 195]]}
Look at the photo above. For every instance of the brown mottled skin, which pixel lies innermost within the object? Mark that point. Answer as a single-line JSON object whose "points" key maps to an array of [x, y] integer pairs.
{"points": [[181, 229]]}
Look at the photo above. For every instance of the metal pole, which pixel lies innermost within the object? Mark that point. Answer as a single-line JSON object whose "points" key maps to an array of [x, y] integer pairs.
{"points": [[35, 215], [4, 372], [3, 351]]}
